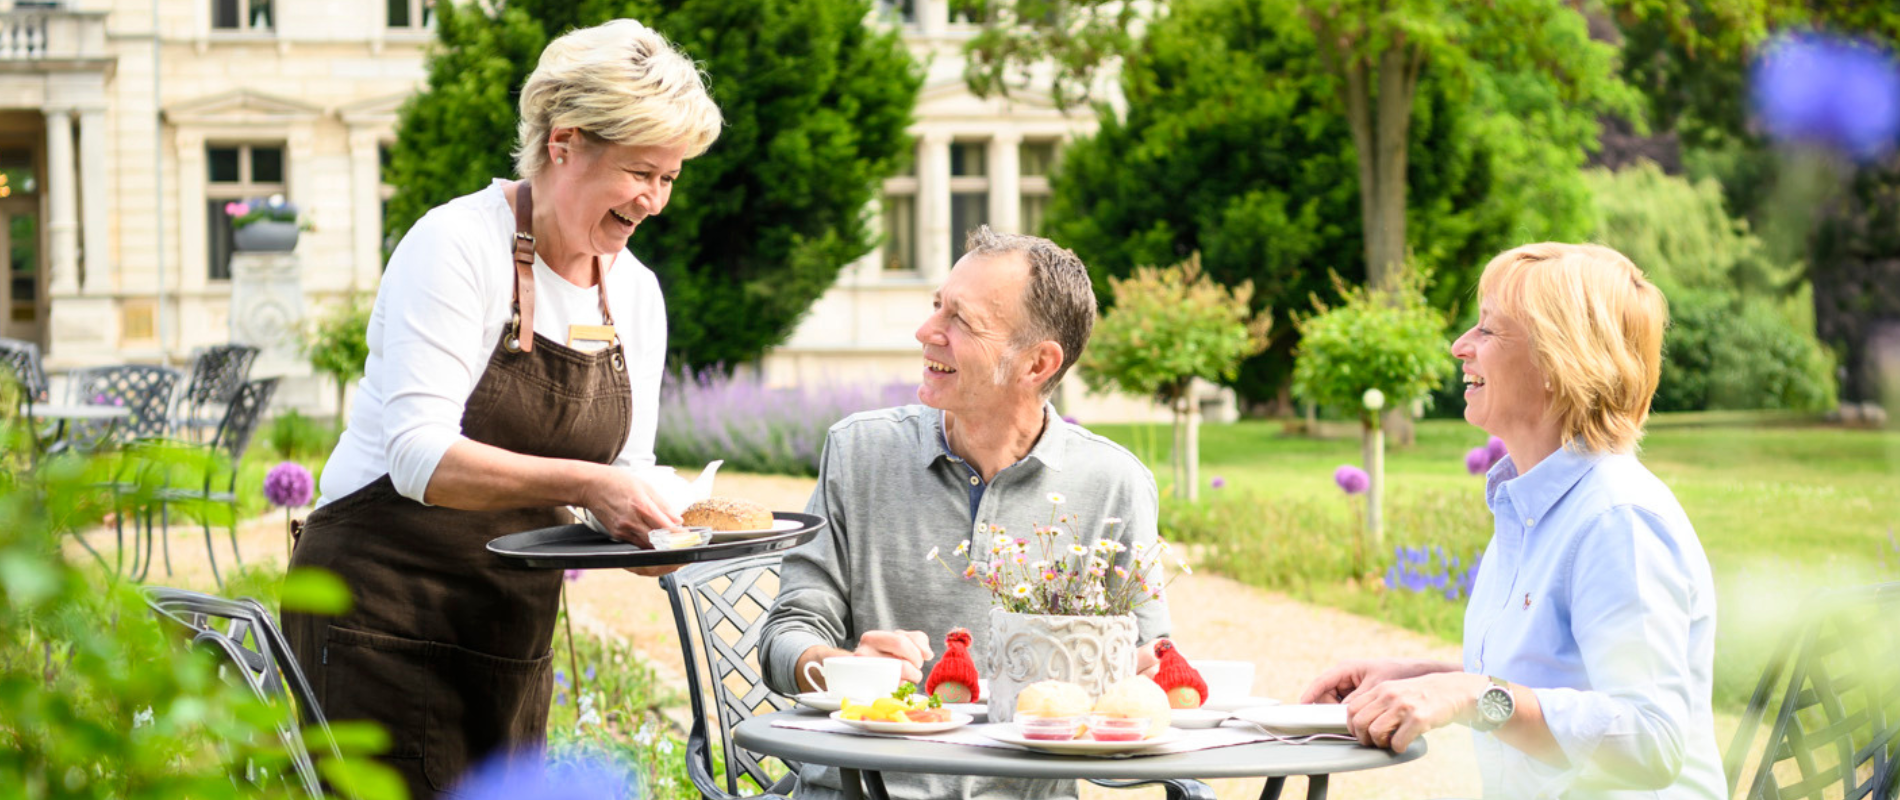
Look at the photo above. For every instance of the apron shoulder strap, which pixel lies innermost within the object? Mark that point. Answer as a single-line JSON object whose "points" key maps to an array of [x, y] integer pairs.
{"points": [[519, 337]]}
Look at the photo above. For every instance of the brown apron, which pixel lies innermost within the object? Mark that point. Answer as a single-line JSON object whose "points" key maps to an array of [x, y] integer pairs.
{"points": [[446, 646]]}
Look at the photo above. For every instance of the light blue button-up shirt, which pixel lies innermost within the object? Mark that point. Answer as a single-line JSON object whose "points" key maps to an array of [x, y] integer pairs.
{"points": [[1595, 593]]}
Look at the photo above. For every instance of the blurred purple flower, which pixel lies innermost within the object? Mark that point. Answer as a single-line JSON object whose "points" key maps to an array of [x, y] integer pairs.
{"points": [[1478, 460], [1218, 482], [1495, 447], [1351, 479], [572, 575], [288, 484], [1831, 91], [527, 778]]}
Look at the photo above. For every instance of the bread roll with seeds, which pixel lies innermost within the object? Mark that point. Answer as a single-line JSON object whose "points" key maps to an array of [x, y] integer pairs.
{"points": [[728, 514]]}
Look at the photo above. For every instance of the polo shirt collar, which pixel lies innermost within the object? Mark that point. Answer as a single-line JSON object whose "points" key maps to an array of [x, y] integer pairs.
{"points": [[1048, 449]]}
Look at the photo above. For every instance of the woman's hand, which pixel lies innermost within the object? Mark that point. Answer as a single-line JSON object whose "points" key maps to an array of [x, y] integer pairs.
{"points": [[627, 507], [1396, 712], [1339, 684]]}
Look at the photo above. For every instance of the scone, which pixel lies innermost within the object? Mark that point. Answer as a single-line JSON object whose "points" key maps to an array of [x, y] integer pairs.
{"points": [[728, 514]]}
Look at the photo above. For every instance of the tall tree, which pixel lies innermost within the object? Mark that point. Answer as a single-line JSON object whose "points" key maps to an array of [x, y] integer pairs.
{"points": [[1230, 146], [816, 104], [1374, 53]]}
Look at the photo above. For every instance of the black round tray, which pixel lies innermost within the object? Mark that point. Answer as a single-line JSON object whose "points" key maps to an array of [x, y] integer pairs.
{"points": [[580, 547]]}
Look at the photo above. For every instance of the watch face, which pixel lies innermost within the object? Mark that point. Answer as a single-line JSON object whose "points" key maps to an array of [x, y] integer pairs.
{"points": [[1495, 705]]}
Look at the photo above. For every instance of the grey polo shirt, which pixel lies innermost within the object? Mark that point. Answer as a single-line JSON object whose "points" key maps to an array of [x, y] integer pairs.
{"points": [[892, 491]]}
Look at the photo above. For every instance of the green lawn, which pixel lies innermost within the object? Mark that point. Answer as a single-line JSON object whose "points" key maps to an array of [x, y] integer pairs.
{"points": [[1783, 506]]}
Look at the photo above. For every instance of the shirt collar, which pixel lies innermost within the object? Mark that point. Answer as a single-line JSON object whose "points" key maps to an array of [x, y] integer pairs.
{"points": [[1532, 494], [1048, 448]]}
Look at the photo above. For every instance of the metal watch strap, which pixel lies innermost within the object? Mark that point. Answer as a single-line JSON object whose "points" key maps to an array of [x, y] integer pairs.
{"points": [[1481, 721]]}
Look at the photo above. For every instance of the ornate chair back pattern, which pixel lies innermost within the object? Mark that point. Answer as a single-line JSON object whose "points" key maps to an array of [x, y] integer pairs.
{"points": [[146, 390], [1834, 683], [251, 644], [217, 373], [728, 602], [24, 359], [241, 416]]}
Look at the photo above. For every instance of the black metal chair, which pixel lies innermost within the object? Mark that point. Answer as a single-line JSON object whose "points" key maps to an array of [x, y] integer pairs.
{"points": [[720, 631], [1834, 684], [146, 391], [252, 648], [222, 457], [217, 372], [22, 360]]}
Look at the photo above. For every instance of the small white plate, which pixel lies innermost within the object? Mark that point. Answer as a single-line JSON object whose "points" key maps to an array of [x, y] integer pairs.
{"points": [[1237, 703], [1194, 718], [1298, 720], [821, 701], [778, 526], [975, 710], [956, 721], [1076, 747]]}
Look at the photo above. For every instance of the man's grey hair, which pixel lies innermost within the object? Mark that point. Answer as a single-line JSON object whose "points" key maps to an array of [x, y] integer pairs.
{"points": [[1059, 302]]}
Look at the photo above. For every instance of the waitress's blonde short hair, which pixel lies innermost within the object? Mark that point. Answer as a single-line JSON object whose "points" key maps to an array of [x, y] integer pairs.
{"points": [[619, 82], [1596, 330]]}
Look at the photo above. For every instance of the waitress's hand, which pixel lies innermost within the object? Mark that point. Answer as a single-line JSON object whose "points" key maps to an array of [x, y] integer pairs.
{"points": [[627, 507]]}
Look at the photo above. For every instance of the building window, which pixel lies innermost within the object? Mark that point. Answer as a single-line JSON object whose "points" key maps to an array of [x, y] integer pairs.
{"points": [[237, 172], [898, 11], [1038, 159], [411, 13], [242, 15], [969, 192]]}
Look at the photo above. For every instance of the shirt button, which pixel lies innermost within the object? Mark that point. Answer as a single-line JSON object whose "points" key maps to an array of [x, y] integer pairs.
{"points": [[974, 480], [1480, 665], [1529, 522]]}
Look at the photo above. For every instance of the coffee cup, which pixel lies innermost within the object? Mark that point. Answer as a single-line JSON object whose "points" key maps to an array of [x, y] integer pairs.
{"points": [[1226, 680], [859, 678]]}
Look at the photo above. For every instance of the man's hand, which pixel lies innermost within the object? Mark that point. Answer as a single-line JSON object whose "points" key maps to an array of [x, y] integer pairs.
{"points": [[1147, 664], [910, 647], [1340, 683], [1396, 712]]}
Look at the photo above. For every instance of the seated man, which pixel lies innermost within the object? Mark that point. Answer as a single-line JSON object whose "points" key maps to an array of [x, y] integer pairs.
{"points": [[985, 448]]}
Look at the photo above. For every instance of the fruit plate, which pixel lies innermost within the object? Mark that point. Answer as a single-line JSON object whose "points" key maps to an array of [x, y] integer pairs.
{"points": [[1077, 747], [875, 726], [1298, 720]]}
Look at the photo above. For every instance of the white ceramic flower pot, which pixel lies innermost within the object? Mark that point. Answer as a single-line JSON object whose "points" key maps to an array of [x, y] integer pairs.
{"points": [[1093, 652]]}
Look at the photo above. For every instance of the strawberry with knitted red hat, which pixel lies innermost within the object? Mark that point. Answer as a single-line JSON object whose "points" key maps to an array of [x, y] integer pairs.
{"points": [[1183, 683], [954, 679]]}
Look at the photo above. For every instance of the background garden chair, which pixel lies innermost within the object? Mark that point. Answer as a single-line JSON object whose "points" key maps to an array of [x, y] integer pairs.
{"points": [[223, 457], [22, 361], [243, 634], [720, 609], [146, 391], [1834, 687], [217, 372]]}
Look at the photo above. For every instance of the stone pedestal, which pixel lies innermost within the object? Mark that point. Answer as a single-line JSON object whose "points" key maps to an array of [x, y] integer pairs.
{"points": [[267, 311]]}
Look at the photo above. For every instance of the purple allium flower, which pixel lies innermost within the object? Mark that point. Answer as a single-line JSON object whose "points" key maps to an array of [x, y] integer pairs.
{"points": [[1828, 90], [1477, 461], [1496, 448], [527, 778], [288, 484], [1070, 420], [572, 575], [1218, 482], [1351, 479]]}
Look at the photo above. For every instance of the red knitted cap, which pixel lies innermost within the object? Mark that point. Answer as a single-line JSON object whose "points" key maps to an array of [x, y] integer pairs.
{"points": [[955, 666], [1175, 671]]}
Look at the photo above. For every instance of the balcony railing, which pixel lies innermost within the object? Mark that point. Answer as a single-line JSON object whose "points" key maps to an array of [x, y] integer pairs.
{"points": [[29, 33]]}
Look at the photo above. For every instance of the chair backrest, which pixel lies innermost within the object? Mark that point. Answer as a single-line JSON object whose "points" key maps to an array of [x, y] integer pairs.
{"points": [[720, 609], [241, 416], [217, 372], [252, 646], [24, 360], [1834, 687], [146, 390]]}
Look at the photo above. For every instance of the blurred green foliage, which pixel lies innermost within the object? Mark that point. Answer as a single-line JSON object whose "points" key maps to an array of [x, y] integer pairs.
{"points": [[1386, 338], [338, 343]]}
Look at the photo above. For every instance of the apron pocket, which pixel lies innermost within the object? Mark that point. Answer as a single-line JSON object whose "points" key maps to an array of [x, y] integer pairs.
{"points": [[388, 679], [483, 703]]}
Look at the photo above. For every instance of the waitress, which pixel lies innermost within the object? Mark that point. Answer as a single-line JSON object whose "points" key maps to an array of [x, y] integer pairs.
{"points": [[516, 349]]}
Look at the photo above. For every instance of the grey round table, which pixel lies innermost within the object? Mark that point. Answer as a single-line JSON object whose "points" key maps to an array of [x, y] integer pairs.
{"points": [[65, 415], [866, 757]]}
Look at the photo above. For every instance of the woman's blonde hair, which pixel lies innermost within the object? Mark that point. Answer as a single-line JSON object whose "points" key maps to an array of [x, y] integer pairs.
{"points": [[1596, 330], [620, 82]]}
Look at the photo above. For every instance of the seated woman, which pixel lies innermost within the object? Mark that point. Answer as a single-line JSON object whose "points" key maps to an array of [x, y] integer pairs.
{"points": [[1590, 634]]}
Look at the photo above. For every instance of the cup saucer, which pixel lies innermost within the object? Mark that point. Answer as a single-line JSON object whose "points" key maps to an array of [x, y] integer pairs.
{"points": [[819, 701], [1237, 703]]}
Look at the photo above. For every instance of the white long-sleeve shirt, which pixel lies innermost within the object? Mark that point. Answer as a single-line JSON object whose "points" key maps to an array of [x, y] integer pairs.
{"points": [[443, 304]]}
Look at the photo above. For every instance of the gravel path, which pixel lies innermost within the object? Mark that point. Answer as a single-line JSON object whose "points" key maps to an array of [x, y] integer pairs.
{"points": [[1288, 641]]}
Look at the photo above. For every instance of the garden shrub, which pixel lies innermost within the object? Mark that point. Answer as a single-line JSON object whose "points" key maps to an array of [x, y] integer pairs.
{"points": [[1731, 353]]}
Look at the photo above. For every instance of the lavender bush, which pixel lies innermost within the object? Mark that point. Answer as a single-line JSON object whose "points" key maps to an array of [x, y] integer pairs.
{"points": [[1415, 572], [756, 428]]}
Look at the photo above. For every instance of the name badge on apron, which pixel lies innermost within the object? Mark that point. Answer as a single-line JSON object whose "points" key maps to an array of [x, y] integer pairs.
{"points": [[590, 338]]}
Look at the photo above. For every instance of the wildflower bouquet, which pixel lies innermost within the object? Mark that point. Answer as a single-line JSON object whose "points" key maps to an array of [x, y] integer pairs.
{"points": [[1056, 571]]}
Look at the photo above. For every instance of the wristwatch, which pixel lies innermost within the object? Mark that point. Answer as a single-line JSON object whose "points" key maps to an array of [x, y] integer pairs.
{"points": [[1495, 706]]}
